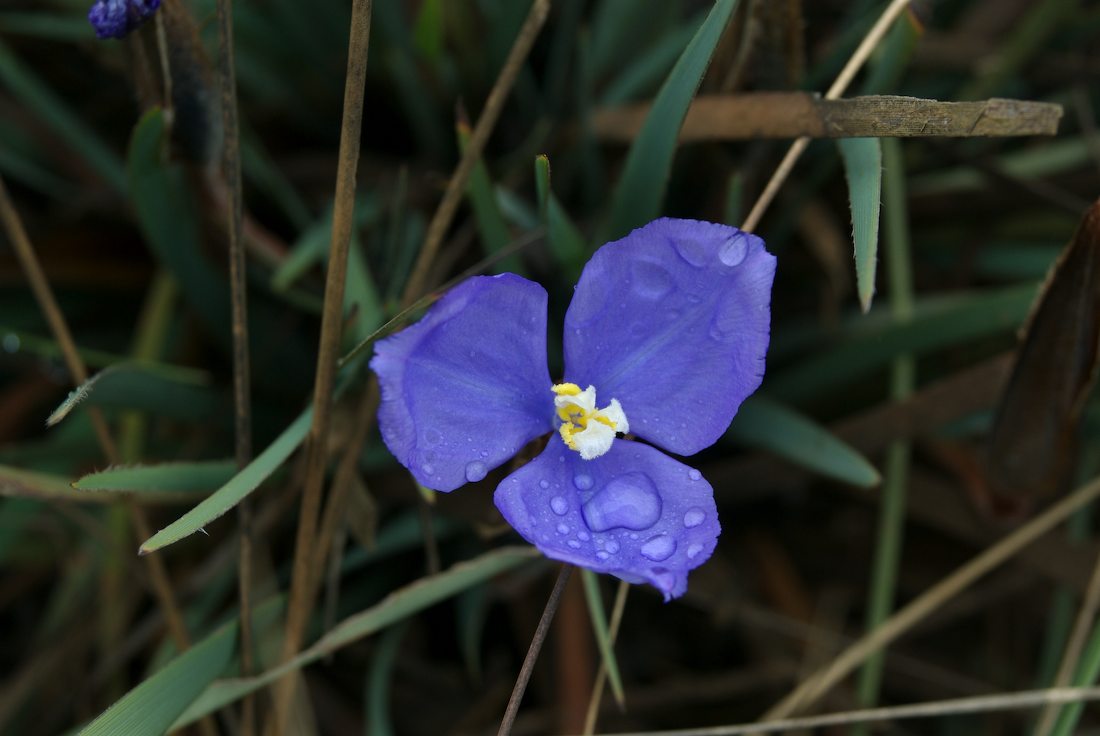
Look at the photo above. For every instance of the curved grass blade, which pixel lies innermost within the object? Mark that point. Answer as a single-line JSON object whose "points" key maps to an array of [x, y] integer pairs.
{"points": [[491, 225], [201, 475], [564, 240], [379, 721], [230, 494], [603, 634], [151, 707], [398, 606], [184, 395], [768, 425], [641, 189], [863, 167]]}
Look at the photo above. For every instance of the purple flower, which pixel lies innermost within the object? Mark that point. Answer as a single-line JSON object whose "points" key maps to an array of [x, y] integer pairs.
{"points": [[116, 18], [665, 337]]}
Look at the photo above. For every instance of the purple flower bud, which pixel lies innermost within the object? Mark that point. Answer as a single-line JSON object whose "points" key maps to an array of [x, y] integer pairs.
{"points": [[116, 18]]}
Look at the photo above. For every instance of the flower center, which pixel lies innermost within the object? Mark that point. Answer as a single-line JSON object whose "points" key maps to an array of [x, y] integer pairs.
{"points": [[584, 428]]}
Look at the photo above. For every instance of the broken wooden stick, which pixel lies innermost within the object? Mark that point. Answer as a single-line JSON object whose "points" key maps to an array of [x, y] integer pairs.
{"points": [[796, 114]]}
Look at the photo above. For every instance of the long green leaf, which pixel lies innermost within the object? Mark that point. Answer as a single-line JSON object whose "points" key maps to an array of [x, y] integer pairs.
{"points": [[398, 606], [37, 97], [768, 425], [603, 634], [863, 166], [184, 395], [230, 494], [491, 226], [151, 707], [641, 189], [950, 321], [202, 475]]}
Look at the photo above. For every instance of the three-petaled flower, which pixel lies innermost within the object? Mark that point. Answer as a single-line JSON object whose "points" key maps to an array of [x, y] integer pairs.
{"points": [[665, 337], [116, 18]]}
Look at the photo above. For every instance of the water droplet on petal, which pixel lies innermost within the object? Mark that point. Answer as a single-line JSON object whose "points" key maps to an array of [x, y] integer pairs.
{"points": [[544, 484], [583, 536], [729, 318], [694, 517], [612, 546], [659, 548], [476, 470], [602, 555], [694, 474], [484, 453], [629, 501], [693, 551], [734, 250], [427, 469], [559, 505], [650, 280], [574, 544], [582, 481], [665, 580], [563, 529], [692, 251]]}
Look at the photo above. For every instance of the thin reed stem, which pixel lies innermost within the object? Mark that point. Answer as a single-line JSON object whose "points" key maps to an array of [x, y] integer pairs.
{"points": [[302, 587], [486, 122], [533, 650], [820, 682], [847, 74], [238, 287]]}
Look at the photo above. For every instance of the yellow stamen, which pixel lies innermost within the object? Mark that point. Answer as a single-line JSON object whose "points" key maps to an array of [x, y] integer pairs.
{"points": [[602, 420], [566, 431], [566, 389]]}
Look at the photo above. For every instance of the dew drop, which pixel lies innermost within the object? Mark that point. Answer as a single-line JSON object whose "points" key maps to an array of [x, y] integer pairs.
{"points": [[693, 551], [629, 501], [729, 319], [694, 517], [559, 505], [582, 481], [583, 536], [484, 453], [659, 548], [574, 544], [694, 474], [427, 469], [650, 280], [563, 529], [544, 484], [734, 250], [602, 555], [476, 470], [693, 251], [612, 546]]}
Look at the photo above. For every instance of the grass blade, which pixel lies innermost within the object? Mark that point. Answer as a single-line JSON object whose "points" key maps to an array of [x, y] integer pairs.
{"points": [[398, 606], [200, 475], [863, 167], [603, 634], [768, 425], [151, 707], [641, 189], [230, 494]]}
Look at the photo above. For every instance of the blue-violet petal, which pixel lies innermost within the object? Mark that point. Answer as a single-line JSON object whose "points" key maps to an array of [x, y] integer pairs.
{"points": [[673, 321], [634, 512], [467, 386]]}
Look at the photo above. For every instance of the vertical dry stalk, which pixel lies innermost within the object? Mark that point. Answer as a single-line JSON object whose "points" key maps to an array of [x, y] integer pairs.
{"points": [[859, 57], [528, 667], [43, 294], [486, 122], [301, 589], [238, 286]]}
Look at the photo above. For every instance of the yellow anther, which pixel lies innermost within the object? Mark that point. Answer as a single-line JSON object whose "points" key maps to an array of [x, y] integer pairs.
{"points": [[566, 431], [603, 420], [566, 389]]}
